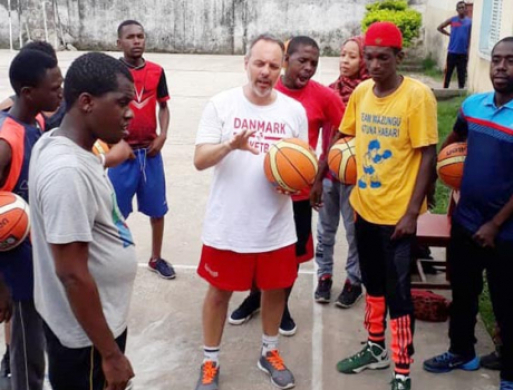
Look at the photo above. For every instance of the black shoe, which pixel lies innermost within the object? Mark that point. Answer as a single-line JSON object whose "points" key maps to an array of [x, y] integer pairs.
{"points": [[5, 365], [246, 310], [323, 291], [288, 326], [492, 361], [349, 295]]}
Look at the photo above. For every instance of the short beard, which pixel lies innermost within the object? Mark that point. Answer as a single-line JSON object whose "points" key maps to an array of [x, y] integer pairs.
{"points": [[261, 94], [506, 90]]}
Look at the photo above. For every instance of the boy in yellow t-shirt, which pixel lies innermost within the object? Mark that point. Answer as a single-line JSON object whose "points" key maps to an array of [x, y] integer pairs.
{"points": [[390, 133], [394, 121]]}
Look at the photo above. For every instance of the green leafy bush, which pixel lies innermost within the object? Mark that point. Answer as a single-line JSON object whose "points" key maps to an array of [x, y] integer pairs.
{"points": [[397, 5], [408, 20]]}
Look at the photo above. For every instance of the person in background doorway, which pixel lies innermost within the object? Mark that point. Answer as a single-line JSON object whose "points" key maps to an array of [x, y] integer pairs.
{"points": [[459, 43]]}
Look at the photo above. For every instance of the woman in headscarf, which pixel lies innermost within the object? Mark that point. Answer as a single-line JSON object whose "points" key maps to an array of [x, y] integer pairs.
{"points": [[335, 196], [353, 69]]}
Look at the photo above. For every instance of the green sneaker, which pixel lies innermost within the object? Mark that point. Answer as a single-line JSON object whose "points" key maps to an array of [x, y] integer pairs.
{"points": [[371, 356], [401, 383]]}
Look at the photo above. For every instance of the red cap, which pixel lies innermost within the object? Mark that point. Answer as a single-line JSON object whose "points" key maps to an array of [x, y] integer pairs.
{"points": [[384, 34]]}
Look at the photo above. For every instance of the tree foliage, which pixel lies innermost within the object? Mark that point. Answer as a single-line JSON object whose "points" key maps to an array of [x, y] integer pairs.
{"points": [[407, 19]]}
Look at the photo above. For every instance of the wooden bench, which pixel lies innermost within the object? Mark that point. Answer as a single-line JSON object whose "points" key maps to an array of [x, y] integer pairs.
{"points": [[434, 230]]}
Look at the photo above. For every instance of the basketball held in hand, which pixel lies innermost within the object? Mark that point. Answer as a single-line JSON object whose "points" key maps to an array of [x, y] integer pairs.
{"points": [[14, 221], [450, 163], [342, 160], [291, 165]]}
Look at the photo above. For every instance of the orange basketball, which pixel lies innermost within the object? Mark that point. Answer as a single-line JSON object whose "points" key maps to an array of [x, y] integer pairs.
{"points": [[14, 220], [449, 166], [100, 147], [291, 164], [342, 160]]}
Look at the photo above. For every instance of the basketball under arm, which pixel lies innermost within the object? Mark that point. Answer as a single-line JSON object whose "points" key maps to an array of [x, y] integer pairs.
{"points": [[347, 126], [323, 163], [459, 132]]}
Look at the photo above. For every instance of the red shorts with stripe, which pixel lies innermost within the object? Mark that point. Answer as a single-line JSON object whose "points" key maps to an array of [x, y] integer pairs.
{"points": [[232, 271]]}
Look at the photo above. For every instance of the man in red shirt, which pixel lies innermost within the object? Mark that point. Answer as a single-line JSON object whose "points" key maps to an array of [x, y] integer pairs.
{"points": [[322, 106], [144, 175]]}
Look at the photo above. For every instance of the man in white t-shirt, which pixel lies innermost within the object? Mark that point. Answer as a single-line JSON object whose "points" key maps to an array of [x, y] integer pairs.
{"points": [[84, 255], [249, 232]]}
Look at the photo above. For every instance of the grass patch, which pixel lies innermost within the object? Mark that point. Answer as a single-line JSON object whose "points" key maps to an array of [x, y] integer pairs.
{"points": [[430, 68], [486, 310], [435, 74], [447, 112]]}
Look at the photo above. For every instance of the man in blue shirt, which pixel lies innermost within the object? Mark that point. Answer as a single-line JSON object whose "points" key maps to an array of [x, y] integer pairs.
{"points": [[482, 224], [459, 41]]}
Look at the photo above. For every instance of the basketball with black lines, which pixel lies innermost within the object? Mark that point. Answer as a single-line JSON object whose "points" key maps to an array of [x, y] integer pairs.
{"points": [[342, 160], [450, 163], [14, 221], [291, 165]]}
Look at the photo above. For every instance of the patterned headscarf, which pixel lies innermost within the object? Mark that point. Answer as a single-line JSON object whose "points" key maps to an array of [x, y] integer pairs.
{"points": [[346, 85]]}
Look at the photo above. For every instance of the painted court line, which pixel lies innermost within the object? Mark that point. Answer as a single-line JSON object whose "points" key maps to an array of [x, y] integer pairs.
{"points": [[186, 267], [317, 330]]}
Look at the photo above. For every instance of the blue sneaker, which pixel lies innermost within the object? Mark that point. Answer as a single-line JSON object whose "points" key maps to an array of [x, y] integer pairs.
{"points": [[447, 362], [506, 385], [162, 268]]}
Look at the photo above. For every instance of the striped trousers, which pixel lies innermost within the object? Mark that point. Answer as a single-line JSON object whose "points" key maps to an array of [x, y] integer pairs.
{"points": [[385, 268]]}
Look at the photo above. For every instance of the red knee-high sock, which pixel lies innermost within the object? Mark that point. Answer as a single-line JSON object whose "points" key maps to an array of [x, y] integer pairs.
{"points": [[375, 319], [402, 344]]}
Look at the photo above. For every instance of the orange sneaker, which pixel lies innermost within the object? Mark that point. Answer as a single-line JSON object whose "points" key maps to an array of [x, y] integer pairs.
{"points": [[273, 365], [209, 376]]}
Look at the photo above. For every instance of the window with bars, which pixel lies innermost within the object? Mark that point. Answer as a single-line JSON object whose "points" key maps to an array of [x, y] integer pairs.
{"points": [[491, 21]]}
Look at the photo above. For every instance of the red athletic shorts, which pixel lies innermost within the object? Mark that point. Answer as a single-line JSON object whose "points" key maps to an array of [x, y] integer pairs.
{"points": [[234, 271]]}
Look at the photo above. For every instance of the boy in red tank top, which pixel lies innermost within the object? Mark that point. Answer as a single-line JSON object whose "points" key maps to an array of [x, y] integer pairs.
{"points": [[144, 174]]}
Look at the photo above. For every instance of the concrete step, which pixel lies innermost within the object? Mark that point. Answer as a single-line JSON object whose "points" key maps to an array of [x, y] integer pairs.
{"points": [[446, 94], [411, 67]]}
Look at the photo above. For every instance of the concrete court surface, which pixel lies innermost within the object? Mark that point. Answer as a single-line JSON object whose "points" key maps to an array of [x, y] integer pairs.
{"points": [[165, 342]]}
